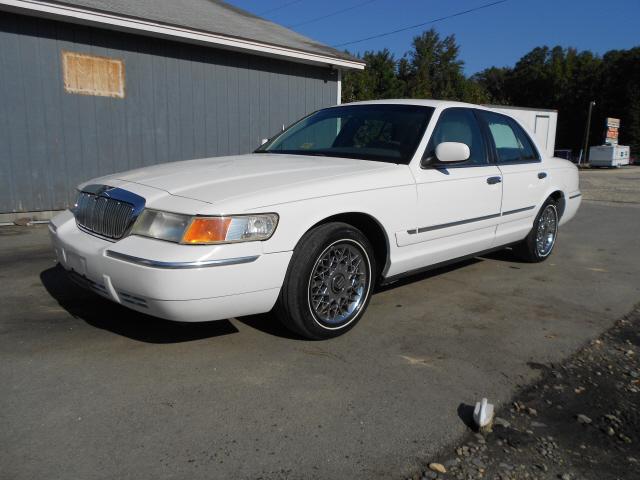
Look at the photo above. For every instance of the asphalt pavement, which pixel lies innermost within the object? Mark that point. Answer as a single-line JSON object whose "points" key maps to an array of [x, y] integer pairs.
{"points": [[91, 390]]}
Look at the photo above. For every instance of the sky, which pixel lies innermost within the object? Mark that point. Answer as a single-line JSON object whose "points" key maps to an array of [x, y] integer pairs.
{"points": [[494, 36]]}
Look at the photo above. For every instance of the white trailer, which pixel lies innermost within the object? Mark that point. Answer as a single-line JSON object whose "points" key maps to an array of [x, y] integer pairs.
{"points": [[540, 123], [609, 156]]}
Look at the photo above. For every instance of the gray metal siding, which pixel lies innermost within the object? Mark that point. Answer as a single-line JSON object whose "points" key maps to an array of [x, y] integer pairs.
{"points": [[181, 102]]}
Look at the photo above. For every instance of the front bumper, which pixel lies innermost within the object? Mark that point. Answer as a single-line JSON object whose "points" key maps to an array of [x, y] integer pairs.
{"points": [[177, 282]]}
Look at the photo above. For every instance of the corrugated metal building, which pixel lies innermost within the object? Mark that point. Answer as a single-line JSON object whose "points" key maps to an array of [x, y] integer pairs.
{"points": [[90, 87]]}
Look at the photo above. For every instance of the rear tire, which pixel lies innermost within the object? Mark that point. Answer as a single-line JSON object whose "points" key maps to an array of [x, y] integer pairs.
{"points": [[539, 243], [329, 282]]}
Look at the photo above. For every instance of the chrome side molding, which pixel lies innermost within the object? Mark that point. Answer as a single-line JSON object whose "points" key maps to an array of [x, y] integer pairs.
{"points": [[518, 210], [470, 220]]}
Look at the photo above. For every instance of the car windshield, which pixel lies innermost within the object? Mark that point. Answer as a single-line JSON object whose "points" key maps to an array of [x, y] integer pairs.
{"points": [[380, 132]]}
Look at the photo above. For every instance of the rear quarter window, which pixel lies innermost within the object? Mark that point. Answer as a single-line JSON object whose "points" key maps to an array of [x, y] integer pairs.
{"points": [[511, 142]]}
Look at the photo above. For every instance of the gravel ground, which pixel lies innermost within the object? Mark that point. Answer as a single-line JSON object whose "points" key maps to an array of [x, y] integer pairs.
{"points": [[581, 420], [616, 185]]}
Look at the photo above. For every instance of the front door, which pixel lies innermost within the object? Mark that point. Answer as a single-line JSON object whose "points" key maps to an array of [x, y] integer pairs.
{"points": [[458, 205]]}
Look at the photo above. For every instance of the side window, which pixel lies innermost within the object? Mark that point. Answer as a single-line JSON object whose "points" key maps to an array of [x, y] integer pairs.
{"points": [[459, 125], [512, 143], [528, 152]]}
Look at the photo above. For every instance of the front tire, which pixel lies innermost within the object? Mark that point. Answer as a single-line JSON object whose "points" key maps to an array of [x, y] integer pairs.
{"points": [[539, 243], [329, 282]]}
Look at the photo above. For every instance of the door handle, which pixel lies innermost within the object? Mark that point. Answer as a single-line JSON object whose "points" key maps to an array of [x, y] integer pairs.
{"points": [[542, 175], [494, 180]]}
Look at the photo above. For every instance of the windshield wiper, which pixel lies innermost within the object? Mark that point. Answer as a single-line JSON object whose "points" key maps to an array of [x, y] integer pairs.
{"points": [[293, 152], [312, 154]]}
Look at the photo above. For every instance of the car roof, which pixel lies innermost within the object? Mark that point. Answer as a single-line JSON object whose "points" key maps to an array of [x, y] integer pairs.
{"points": [[420, 102]]}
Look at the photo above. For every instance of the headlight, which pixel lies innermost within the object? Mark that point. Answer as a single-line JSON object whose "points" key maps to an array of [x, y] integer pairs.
{"points": [[161, 225], [190, 230]]}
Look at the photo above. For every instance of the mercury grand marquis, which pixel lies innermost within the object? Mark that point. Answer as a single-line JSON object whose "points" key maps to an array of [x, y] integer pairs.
{"points": [[347, 198]]}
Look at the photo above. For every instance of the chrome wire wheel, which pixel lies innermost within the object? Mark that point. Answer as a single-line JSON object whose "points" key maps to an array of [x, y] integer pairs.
{"points": [[547, 230], [339, 284]]}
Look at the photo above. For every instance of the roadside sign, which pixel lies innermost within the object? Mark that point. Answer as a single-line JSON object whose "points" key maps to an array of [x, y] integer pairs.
{"points": [[612, 125]]}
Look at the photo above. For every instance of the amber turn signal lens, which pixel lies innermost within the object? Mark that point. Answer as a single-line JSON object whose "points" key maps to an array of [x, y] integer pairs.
{"points": [[207, 230]]}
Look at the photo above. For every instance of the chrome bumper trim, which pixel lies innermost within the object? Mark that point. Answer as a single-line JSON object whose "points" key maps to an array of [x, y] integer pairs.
{"points": [[176, 265]]}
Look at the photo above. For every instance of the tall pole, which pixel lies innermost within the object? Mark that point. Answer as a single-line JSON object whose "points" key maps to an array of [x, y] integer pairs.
{"points": [[585, 151]]}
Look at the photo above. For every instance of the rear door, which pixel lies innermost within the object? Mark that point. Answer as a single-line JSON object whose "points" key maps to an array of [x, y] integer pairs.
{"points": [[524, 179], [458, 205]]}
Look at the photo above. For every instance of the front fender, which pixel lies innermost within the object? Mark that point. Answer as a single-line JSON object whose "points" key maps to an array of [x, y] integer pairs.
{"points": [[392, 208]]}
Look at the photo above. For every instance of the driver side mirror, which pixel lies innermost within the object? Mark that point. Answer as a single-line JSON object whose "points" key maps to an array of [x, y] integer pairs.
{"points": [[449, 152]]}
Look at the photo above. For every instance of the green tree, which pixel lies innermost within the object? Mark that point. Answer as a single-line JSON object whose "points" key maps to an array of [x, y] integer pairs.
{"points": [[619, 87], [583, 74], [404, 76], [493, 81], [630, 132], [563, 79], [553, 78], [435, 69], [422, 63], [472, 92], [431, 69], [378, 80], [529, 83]]}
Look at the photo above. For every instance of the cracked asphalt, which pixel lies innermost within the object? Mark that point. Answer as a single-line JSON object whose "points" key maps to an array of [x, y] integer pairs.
{"points": [[91, 390]]}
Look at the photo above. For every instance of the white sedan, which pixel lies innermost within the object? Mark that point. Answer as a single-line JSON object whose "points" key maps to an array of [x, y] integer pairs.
{"points": [[347, 198]]}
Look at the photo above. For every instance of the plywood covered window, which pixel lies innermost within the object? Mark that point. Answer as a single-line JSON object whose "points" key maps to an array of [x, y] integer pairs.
{"points": [[93, 75]]}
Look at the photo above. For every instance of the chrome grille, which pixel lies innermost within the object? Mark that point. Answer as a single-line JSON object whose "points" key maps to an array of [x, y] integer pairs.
{"points": [[103, 216]]}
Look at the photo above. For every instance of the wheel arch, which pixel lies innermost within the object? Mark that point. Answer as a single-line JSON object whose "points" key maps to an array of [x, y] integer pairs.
{"points": [[559, 198], [371, 228]]}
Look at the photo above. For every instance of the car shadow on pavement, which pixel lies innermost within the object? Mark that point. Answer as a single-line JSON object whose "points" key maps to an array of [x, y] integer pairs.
{"points": [[503, 255], [104, 314], [269, 324], [434, 272]]}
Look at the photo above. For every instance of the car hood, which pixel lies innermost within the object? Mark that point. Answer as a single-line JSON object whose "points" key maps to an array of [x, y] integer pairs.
{"points": [[257, 180]]}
